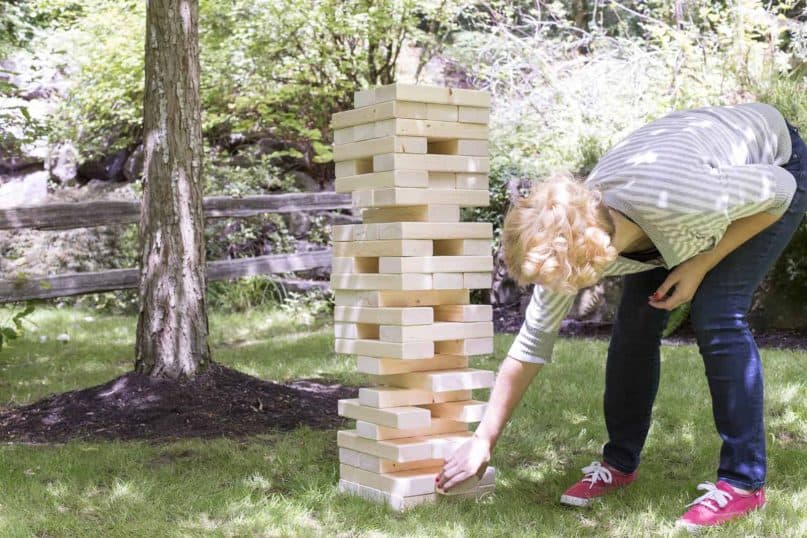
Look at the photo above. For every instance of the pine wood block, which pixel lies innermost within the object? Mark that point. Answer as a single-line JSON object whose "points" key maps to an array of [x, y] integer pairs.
{"points": [[440, 112], [401, 298], [343, 136], [374, 464], [463, 313], [395, 502], [380, 180], [406, 417], [471, 181], [432, 163], [435, 264], [424, 230], [371, 112], [477, 281], [365, 131], [468, 411], [355, 330], [382, 366], [354, 265], [418, 213], [362, 98], [442, 180], [355, 232], [393, 350], [448, 281], [438, 331], [468, 147], [472, 484], [392, 247], [369, 430], [353, 167], [460, 247], [404, 450], [384, 315], [410, 197], [382, 397], [386, 145], [474, 114], [432, 94], [431, 129], [370, 281], [469, 346], [440, 380]]}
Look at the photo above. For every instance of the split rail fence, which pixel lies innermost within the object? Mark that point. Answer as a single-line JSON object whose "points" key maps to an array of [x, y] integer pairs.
{"points": [[63, 216]]}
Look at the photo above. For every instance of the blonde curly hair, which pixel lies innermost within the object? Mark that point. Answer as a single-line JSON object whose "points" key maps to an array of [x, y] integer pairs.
{"points": [[558, 236]]}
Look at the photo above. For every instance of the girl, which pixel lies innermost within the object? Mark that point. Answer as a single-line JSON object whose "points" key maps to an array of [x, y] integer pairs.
{"points": [[695, 206]]}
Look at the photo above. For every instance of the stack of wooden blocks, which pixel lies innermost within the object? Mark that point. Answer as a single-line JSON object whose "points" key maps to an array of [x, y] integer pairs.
{"points": [[412, 156]]}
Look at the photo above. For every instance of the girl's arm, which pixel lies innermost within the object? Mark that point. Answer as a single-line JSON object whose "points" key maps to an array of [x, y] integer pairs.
{"points": [[472, 457]]}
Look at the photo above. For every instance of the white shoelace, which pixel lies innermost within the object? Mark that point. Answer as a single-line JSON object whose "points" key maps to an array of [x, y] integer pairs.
{"points": [[713, 495], [596, 472]]}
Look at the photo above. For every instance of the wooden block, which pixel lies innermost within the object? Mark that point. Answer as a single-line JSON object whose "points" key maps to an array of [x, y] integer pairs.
{"points": [[403, 450], [410, 197], [442, 180], [469, 346], [396, 397], [468, 147], [368, 430], [435, 264], [438, 331], [354, 265], [380, 366], [475, 312], [395, 502], [355, 330], [354, 232], [418, 213], [472, 484], [440, 112], [477, 281], [432, 94], [460, 247], [384, 315], [426, 230], [406, 417], [343, 136], [448, 281], [471, 181], [402, 483], [378, 180], [365, 131], [374, 464], [473, 114], [440, 380], [387, 145], [353, 167], [469, 411], [401, 298], [432, 163], [431, 129], [392, 247], [371, 113], [392, 350], [362, 98], [370, 281]]}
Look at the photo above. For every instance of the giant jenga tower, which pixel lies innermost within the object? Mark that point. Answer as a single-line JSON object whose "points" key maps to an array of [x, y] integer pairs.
{"points": [[412, 156]]}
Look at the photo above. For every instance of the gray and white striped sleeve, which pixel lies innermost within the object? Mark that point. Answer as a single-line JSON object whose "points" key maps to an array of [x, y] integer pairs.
{"points": [[536, 339]]}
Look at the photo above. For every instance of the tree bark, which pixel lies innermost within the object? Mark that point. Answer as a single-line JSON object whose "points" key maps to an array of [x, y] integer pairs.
{"points": [[172, 327]]}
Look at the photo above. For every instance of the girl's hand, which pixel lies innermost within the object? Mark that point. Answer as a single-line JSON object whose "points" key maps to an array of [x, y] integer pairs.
{"points": [[470, 459], [686, 278]]}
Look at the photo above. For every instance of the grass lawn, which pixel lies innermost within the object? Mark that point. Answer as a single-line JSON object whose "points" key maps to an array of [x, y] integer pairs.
{"points": [[285, 484]]}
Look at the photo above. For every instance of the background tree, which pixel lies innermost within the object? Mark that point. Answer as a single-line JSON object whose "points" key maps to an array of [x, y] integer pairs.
{"points": [[172, 328]]}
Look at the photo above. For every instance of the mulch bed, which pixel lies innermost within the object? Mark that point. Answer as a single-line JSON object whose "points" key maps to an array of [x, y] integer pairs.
{"points": [[221, 402]]}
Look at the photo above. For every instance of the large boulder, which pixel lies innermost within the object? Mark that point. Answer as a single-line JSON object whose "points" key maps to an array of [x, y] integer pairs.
{"points": [[63, 162], [25, 189], [108, 168], [133, 168]]}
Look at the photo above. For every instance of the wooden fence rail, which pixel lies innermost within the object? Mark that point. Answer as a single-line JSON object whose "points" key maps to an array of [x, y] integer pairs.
{"points": [[64, 216], [118, 279]]}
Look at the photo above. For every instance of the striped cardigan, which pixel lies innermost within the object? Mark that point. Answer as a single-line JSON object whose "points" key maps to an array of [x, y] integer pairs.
{"points": [[683, 179]]}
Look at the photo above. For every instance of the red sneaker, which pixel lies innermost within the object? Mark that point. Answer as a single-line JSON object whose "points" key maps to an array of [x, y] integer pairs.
{"points": [[721, 503], [599, 480]]}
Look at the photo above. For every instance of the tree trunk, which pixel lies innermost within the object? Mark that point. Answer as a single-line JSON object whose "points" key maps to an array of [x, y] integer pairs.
{"points": [[172, 327]]}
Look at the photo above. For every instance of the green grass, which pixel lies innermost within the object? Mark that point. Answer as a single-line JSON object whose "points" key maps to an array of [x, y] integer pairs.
{"points": [[284, 484]]}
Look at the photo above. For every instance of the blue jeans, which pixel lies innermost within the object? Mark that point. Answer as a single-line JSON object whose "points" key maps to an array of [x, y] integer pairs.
{"points": [[726, 344]]}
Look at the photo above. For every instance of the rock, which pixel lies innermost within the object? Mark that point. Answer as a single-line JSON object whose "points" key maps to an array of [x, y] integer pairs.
{"points": [[298, 224], [15, 163], [133, 168], [27, 189], [338, 218], [267, 146], [106, 169], [63, 162], [305, 182]]}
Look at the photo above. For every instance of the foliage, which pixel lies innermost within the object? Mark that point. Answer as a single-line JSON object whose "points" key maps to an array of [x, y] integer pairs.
{"points": [[677, 318], [12, 328]]}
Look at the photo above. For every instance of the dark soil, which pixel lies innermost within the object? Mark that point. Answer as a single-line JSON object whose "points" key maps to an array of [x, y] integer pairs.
{"points": [[221, 402]]}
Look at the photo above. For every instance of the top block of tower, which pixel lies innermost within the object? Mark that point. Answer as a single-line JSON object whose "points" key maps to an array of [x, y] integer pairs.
{"points": [[422, 94]]}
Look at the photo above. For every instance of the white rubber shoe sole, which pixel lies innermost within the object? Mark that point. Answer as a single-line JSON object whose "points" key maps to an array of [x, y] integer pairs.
{"points": [[568, 500]]}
